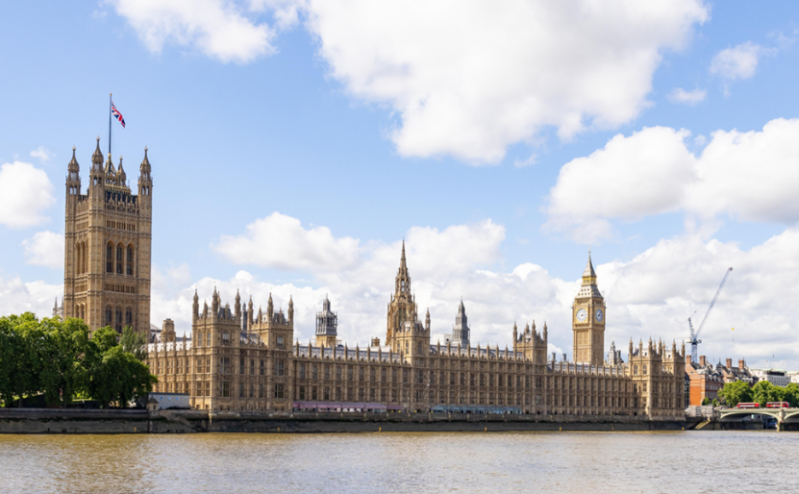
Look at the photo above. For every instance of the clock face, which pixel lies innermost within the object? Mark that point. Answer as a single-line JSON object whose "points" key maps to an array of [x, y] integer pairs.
{"points": [[599, 315], [582, 315]]}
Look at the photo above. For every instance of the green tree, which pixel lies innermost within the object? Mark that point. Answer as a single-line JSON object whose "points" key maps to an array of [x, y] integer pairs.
{"points": [[706, 401], [118, 377], [736, 392], [105, 339], [792, 394], [762, 392], [133, 342]]}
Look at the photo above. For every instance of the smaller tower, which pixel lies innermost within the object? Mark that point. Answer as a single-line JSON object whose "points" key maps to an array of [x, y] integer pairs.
{"points": [[460, 331], [326, 325]]}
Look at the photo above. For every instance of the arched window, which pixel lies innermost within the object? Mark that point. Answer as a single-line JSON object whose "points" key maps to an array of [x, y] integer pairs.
{"points": [[635, 370], [129, 264], [129, 317], [644, 369], [120, 254], [109, 258], [118, 325], [109, 316]]}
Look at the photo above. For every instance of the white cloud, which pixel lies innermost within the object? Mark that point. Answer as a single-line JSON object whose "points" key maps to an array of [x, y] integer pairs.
{"points": [[680, 95], [25, 193], [38, 297], [469, 78], [45, 249], [748, 175], [739, 62], [42, 153], [219, 29], [280, 241]]}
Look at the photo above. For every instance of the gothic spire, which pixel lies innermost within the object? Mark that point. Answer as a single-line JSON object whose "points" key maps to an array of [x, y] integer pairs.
{"points": [[97, 157], [73, 163], [589, 268], [145, 164], [402, 259]]}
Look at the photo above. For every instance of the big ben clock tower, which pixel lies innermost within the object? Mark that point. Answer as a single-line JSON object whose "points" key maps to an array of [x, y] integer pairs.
{"points": [[588, 320]]}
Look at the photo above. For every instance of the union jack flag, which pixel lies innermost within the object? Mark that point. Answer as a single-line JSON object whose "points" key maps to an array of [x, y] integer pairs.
{"points": [[116, 114]]}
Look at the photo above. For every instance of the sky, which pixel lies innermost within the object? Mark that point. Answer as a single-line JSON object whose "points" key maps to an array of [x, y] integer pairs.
{"points": [[295, 143]]}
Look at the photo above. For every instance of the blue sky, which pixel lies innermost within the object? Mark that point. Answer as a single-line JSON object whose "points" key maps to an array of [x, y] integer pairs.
{"points": [[365, 132]]}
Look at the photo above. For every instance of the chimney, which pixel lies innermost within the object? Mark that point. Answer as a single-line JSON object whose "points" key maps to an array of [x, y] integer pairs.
{"points": [[688, 359], [729, 363], [741, 364], [702, 361]]}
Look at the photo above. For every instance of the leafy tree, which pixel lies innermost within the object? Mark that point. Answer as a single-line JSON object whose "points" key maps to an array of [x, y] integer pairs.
{"points": [[135, 343], [105, 339], [792, 394], [706, 401], [118, 377], [762, 392], [736, 392]]}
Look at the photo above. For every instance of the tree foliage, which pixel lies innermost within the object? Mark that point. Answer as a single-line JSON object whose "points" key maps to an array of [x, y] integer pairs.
{"points": [[59, 360], [736, 392], [762, 392]]}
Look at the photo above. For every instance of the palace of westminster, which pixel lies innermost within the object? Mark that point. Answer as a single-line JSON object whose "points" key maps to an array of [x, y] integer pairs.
{"points": [[240, 359]]}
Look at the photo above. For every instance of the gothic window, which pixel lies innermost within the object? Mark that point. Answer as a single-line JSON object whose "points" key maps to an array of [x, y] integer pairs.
{"points": [[109, 316], [128, 317], [118, 326], [644, 369], [120, 250], [225, 338], [208, 339], [109, 258], [279, 390], [262, 368], [402, 289], [226, 390], [280, 367], [241, 366], [302, 392], [129, 264]]}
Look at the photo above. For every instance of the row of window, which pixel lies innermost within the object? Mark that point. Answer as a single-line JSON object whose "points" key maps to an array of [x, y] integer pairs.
{"points": [[122, 262], [114, 317]]}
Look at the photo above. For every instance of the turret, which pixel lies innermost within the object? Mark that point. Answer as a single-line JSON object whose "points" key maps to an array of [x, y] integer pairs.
{"points": [[196, 305], [515, 334], [427, 321], [215, 304], [270, 309], [96, 174], [145, 180], [291, 309], [121, 176], [73, 176], [250, 315], [237, 307]]}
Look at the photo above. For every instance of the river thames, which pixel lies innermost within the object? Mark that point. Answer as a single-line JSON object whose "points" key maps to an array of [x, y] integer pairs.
{"points": [[681, 462]]}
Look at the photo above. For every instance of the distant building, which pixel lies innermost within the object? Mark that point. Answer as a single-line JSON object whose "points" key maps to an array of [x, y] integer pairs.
{"points": [[740, 373], [705, 380], [794, 375], [777, 377]]}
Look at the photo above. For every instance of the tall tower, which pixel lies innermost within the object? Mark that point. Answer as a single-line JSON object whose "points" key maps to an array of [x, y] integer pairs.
{"points": [[402, 306], [460, 331], [588, 320], [107, 246]]}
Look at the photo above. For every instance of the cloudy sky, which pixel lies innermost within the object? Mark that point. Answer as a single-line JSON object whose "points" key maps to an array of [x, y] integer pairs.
{"points": [[295, 143]]}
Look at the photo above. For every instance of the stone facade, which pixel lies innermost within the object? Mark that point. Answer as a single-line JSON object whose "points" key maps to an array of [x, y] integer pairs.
{"points": [[107, 244], [238, 360], [227, 368]]}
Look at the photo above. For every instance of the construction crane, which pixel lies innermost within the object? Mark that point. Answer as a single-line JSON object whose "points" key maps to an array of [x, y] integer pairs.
{"points": [[695, 341]]}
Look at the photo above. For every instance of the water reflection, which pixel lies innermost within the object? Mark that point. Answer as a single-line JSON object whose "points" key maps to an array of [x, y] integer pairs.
{"points": [[401, 462]]}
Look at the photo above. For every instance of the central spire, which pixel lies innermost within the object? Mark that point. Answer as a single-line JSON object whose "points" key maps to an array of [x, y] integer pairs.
{"points": [[402, 259]]}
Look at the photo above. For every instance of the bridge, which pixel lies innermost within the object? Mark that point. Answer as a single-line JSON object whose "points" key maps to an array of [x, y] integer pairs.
{"points": [[783, 415]]}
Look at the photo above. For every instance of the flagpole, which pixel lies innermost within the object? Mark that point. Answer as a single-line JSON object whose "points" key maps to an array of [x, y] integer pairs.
{"points": [[109, 123]]}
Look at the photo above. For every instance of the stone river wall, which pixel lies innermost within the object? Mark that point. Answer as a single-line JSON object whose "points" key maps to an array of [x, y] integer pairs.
{"points": [[72, 421]]}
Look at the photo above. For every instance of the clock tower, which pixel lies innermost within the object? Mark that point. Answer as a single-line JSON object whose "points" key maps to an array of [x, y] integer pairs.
{"points": [[588, 320]]}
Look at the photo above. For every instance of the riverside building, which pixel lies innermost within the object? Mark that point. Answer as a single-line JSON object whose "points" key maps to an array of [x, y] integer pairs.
{"points": [[246, 361]]}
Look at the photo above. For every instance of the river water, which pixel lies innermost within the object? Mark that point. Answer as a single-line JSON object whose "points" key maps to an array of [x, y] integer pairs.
{"points": [[680, 462]]}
